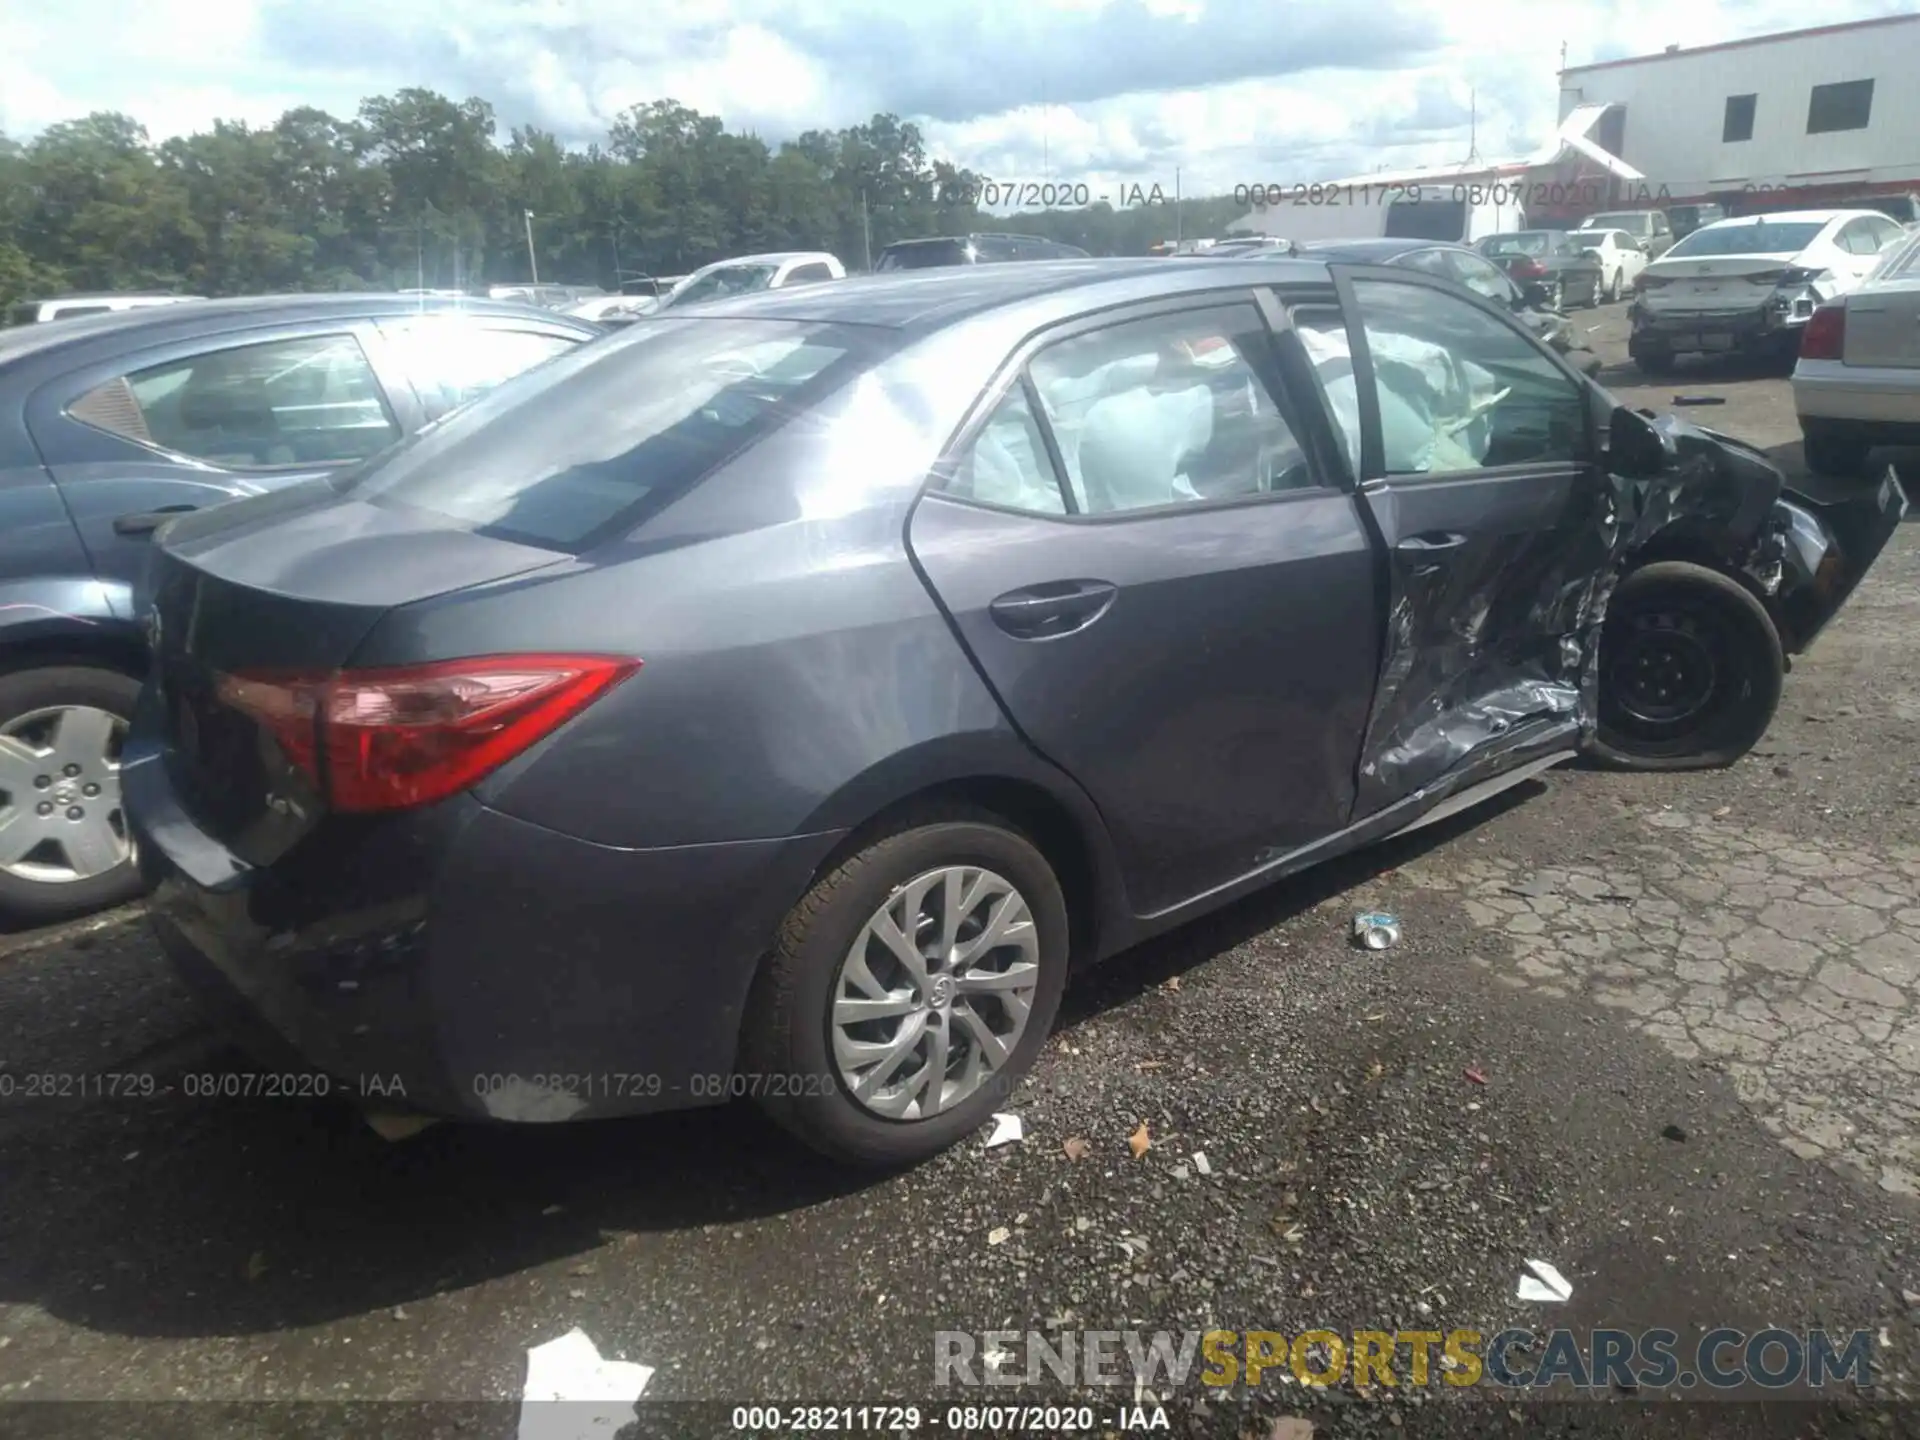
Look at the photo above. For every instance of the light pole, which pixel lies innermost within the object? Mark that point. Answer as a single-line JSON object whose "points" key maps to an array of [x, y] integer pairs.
{"points": [[532, 263]]}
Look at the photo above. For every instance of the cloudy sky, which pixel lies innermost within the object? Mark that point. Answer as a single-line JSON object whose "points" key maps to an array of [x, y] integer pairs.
{"points": [[1112, 91]]}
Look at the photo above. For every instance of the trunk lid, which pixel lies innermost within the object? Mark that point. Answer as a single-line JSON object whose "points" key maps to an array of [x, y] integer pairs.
{"points": [[286, 584], [1883, 325], [1714, 283]]}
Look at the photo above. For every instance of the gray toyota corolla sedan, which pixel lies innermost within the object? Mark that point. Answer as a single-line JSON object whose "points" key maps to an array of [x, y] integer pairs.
{"points": [[781, 697]]}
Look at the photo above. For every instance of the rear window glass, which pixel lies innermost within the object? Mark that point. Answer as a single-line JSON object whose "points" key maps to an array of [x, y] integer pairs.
{"points": [[1525, 242], [1748, 238], [922, 255], [565, 455], [1899, 261], [1426, 220]]}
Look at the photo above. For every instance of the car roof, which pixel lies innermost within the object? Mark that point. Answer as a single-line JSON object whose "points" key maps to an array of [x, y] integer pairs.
{"points": [[1373, 251], [922, 301], [1790, 217], [195, 318], [67, 295]]}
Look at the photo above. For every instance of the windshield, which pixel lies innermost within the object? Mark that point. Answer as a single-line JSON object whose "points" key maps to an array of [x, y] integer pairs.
{"points": [[1526, 242], [570, 451], [1748, 237], [1629, 220], [729, 280], [923, 255]]}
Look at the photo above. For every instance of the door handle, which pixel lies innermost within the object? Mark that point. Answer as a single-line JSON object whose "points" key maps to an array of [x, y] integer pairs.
{"points": [[1431, 542], [145, 522], [1042, 612]]}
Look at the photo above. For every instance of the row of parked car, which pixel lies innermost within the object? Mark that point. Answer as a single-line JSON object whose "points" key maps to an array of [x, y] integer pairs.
{"points": [[1835, 294], [796, 685]]}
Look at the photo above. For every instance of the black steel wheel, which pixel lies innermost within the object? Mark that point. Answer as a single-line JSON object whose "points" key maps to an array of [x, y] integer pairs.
{"points": [[1690, 670]]}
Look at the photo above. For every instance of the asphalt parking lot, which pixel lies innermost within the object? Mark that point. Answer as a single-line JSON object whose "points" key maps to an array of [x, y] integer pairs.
{"points": [[1661, 1031]]}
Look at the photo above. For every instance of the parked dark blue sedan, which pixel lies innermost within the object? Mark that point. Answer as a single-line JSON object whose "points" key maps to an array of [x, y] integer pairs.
{"points": [[110, 424]]}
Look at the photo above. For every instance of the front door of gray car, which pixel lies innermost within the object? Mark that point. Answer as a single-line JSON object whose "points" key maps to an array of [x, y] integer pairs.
{"points": [[198, 423], [1168, 585], [1476, 461]]}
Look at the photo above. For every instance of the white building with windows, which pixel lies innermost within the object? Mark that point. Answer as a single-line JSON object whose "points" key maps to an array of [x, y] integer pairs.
{"points": [[1823, 115]]}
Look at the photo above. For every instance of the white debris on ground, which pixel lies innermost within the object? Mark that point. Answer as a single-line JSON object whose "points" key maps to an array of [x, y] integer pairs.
{"points": [[573, 1393], [1007, 1130], [1540, 1281]]}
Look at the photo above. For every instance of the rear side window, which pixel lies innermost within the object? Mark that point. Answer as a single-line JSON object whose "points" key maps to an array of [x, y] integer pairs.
{"points": [[808, 274], [459, 359], [1008, 465], [568, 453], [283, 404], [1167, 411]]}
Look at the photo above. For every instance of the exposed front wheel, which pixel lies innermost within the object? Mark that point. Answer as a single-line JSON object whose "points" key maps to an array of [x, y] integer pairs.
{"points": [[1613, 289], [64, 845], [909, 992], [1690, 670]]}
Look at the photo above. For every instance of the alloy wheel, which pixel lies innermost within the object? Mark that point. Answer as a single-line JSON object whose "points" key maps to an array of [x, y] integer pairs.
{"points": [[60, 814], [934, 995]]}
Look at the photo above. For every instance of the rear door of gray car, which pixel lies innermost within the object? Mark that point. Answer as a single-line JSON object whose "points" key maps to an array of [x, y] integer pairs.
{"points": [[1151, 550], [191, 423]]}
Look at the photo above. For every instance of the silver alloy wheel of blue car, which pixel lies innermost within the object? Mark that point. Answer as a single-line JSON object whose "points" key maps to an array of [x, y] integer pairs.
{"points": [[60, 816], [934, 994]]}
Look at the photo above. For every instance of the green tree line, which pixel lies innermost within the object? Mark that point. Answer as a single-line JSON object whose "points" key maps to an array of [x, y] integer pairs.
{"points": [[421, 190]]}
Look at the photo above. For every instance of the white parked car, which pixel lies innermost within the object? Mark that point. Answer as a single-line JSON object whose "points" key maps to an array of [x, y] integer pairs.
{"points": [[1750, 285], [1621, 259], [72, 307], [1857, 382], [749, 273]]}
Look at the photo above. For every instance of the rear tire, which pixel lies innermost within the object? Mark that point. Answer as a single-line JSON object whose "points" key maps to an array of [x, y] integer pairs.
{"points": [[47, 690], [1690, 670], [1834, 452], [792, 1043]]}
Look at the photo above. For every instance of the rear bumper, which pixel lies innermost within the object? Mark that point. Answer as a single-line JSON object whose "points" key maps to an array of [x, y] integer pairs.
{"points": [[463, 963], [1872, 395], [1758, 324]]}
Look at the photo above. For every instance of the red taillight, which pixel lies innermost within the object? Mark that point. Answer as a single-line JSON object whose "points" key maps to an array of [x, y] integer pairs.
{"points": [[414, 734], [1825, 337], [1527, 268]]}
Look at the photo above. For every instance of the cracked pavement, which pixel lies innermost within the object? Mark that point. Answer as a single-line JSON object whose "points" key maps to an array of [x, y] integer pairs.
{"points": [[1727, 958], [1799, 966]]}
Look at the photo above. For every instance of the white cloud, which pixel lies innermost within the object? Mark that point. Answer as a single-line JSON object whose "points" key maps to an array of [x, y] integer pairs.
{"points": [[1102, 91]]}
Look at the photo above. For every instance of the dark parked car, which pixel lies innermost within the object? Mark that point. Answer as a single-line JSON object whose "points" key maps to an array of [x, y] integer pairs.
{"points": [[1685, 219], [1563, 271], [782, 699], [110, 424], [1466, 266], [983, 249]]}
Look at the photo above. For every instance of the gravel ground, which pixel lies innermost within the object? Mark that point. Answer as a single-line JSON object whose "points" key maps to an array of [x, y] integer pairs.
{"points": [[1663, 1032]]}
